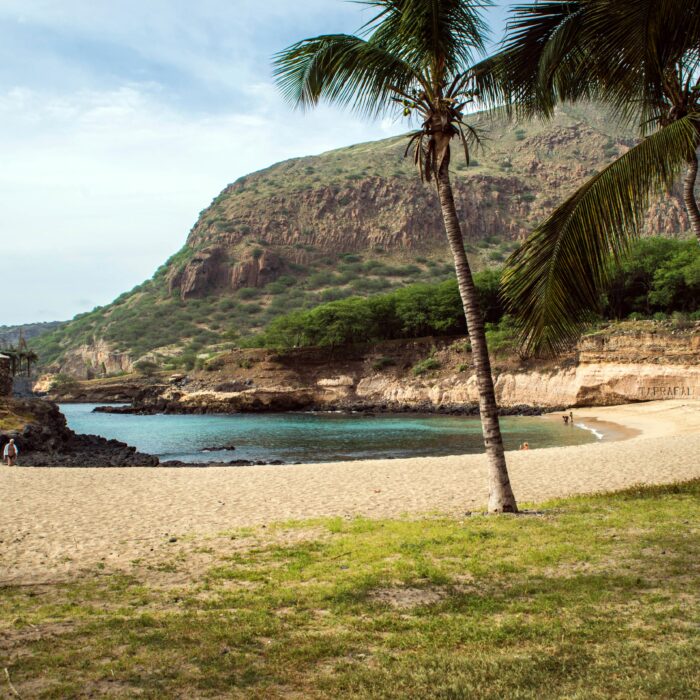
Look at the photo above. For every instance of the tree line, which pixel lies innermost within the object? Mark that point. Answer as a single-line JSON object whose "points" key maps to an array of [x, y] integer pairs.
{"points": [[660, 277]]}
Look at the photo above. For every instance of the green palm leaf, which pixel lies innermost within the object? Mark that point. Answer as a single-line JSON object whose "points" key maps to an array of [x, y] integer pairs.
{"points": [[553, 282], [344, 69], [423, 30]]}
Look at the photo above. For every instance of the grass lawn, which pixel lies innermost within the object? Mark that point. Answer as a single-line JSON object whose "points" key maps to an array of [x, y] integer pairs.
{"points": [[595, 597]]}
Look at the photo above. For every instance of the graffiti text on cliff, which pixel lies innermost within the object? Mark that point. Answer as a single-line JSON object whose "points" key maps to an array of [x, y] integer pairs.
{"points": [[666, 392]]}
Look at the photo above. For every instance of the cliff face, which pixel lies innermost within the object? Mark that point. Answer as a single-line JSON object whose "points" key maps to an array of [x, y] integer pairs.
{"points": [[502, 199], [95, 360], [620, 365]]}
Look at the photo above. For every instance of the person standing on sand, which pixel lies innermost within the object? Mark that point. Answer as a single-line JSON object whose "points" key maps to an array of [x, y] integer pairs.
{"points": [[10, 453]]}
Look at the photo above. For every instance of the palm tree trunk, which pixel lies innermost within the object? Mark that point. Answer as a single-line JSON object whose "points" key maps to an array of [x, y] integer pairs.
{"points": [[501, 498], [691, 203]]}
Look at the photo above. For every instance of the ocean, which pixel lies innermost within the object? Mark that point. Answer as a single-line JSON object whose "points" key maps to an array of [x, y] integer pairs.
{"points": [[313, 437]]}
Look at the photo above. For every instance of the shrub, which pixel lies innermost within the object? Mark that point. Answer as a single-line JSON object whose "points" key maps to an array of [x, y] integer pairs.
{"points": [[501, 337], [426, 365], [383, 362], [681, 320], [276, 288], [248, 292], [63, 383], [147, 367]]}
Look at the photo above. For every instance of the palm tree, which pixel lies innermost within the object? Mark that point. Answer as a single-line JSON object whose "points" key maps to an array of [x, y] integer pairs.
{"points": [[642, 57], [414, 56]]}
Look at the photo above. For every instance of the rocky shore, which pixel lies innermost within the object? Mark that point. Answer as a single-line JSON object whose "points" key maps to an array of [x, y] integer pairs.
{"points": [[164, 406], [44, 440]]}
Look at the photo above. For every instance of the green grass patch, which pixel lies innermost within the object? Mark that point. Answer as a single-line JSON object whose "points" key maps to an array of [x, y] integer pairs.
{"points": [[595, 597]]}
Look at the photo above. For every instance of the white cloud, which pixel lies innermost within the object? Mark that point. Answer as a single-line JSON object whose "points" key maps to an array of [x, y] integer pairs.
{"points": [[112, 182], [120, 121]]}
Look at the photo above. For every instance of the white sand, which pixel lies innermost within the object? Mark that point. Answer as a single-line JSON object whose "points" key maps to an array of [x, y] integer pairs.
{"points": [[56, 521]]}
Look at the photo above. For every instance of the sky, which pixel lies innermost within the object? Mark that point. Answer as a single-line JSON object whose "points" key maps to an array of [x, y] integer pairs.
{"points": [[120, 122]]}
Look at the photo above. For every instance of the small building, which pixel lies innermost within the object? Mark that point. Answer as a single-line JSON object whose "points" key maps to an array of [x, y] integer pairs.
{"points": [[5, 375]]}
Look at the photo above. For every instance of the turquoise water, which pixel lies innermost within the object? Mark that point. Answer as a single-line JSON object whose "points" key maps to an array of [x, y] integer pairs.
{"points": [[307, 437]]}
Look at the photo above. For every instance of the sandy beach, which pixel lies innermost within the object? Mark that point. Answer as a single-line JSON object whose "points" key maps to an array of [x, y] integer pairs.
{"points": [[55, 522]]}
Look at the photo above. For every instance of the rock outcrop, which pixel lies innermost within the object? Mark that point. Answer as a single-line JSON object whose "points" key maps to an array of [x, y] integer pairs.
{"points": [[44, 440], [98, 359], [619, 365]]}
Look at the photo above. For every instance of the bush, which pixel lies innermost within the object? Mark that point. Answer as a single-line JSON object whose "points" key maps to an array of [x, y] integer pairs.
{"points": [[383, 362], [501, 337], [248, 293], [413, 311], [681, 320], [659, 275], [425, 366], [147, 367], [63, 383]]}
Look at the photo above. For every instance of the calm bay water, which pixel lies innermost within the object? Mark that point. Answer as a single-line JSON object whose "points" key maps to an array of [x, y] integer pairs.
{"points": [[306, 437]]}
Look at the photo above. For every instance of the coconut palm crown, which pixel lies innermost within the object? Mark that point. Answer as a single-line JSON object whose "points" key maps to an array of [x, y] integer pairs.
{"points": [[414, 58], [642, 58]]}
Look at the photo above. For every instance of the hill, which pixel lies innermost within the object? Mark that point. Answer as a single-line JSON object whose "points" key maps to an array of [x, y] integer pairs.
{"points": [[352, 221], [9, 335]]}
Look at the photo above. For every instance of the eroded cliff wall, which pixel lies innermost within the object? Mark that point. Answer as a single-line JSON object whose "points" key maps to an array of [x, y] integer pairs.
{"points": [[621, 364]]}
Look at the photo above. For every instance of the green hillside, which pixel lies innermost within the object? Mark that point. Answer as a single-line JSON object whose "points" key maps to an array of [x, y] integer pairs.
{"points": [[350, 222]]}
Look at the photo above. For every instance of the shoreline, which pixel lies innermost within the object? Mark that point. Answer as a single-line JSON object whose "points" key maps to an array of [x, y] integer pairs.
{"points": [[56, 522], [603, 430]]}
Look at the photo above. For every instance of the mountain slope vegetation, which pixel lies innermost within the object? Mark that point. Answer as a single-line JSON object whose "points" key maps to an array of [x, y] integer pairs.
{"points": [[350, 222]]}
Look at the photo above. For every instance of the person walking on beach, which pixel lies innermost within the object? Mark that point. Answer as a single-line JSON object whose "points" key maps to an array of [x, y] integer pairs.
{"points": [[10, 453]]}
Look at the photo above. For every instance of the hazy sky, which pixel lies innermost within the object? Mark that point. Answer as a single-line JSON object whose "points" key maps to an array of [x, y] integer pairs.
{"points": [[120, 121]]}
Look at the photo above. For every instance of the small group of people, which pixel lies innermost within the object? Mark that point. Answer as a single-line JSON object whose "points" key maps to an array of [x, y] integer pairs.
{"points": [[566, 418], [9, 454]]}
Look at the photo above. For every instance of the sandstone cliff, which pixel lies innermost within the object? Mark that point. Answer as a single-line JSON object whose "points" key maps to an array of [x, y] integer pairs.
{"points": [[627, 363]]}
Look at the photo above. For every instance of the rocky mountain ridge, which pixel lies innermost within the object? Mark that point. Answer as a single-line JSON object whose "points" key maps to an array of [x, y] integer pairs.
{"points": [[275, 240]]}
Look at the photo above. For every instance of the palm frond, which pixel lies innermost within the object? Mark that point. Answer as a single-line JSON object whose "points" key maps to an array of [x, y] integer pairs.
{"points": [[552, 283], [344, 69], [441, 36], [518, 66]]}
